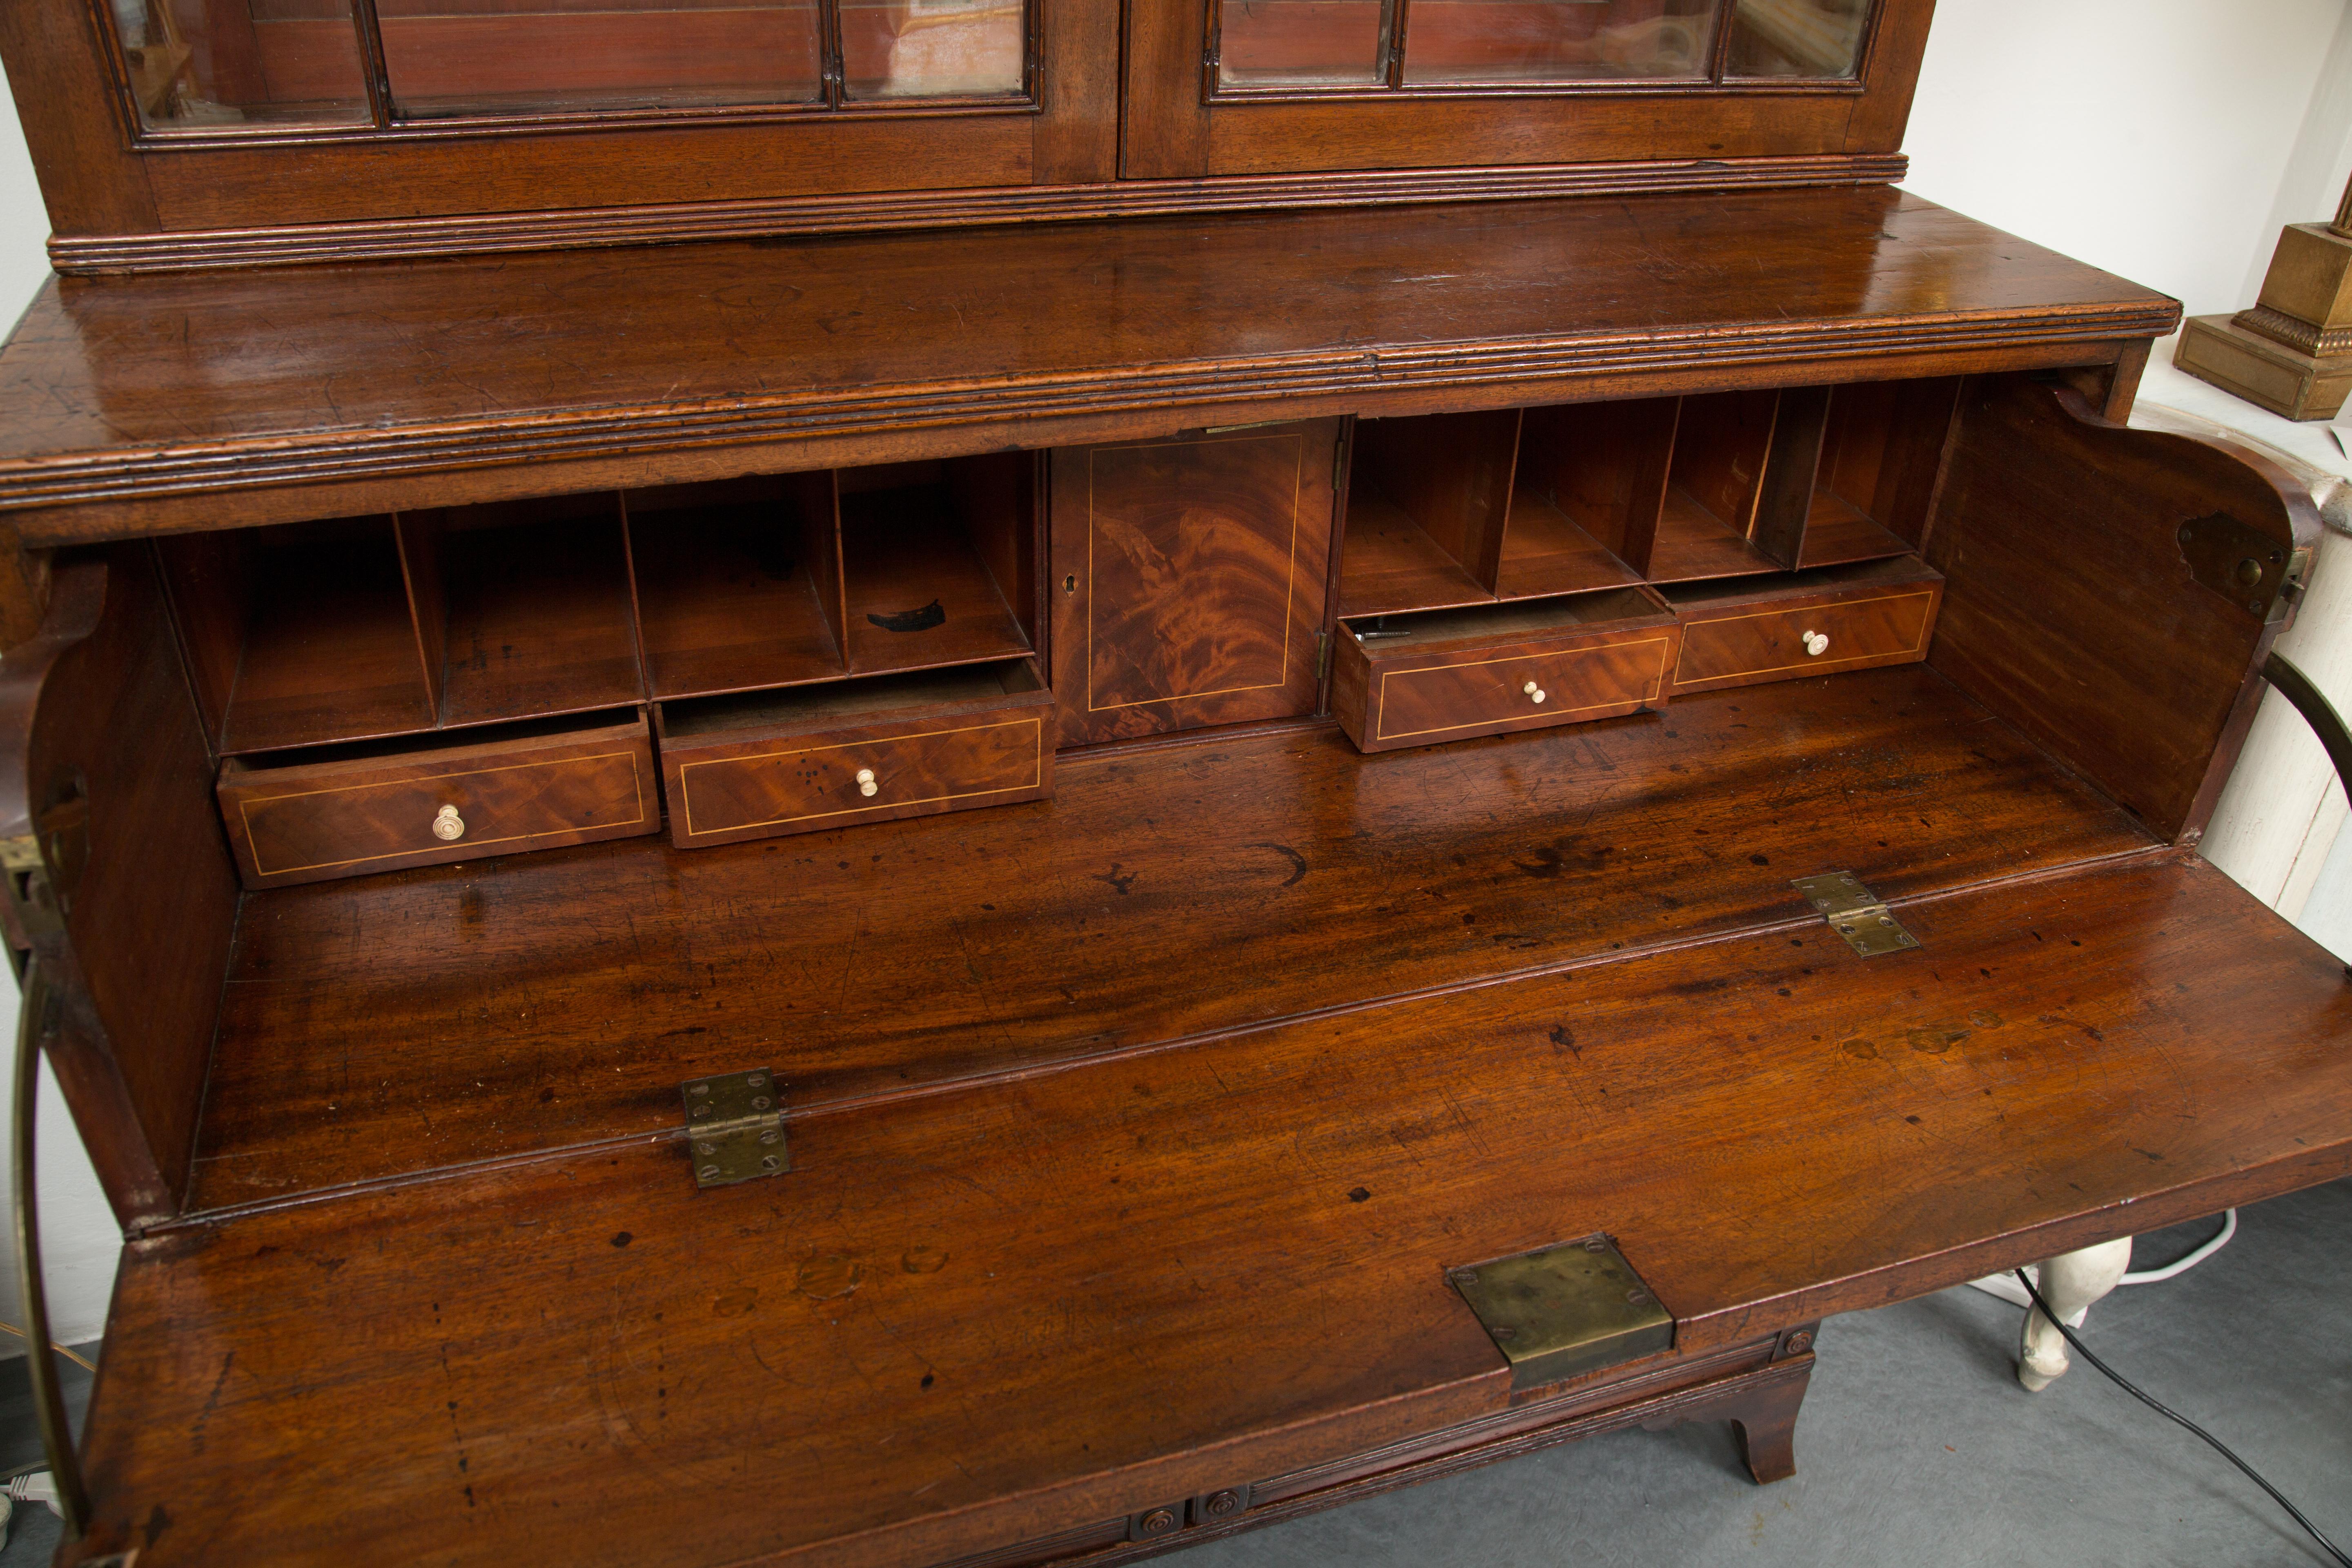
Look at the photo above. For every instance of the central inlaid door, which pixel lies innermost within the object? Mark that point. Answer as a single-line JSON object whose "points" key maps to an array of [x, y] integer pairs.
{"points": [[1188, 577]]}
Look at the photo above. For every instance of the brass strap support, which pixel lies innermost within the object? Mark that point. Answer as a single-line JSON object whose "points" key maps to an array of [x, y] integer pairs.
{"points": [[2317, 711], [33, 1024]]}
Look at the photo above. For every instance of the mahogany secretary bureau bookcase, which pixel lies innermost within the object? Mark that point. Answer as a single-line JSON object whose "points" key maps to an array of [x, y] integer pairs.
{"points": [[901, 782]]}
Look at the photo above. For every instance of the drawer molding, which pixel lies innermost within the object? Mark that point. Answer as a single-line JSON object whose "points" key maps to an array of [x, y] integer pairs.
{"points": [[1559, 715], [245, 805], [360, 813], [1035, 781], [1918, 647]]}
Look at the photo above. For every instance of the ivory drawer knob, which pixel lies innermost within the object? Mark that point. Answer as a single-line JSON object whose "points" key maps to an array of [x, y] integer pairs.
{"points": [[448, 824], [866, 785], [1816, 643], [1534, 693]]}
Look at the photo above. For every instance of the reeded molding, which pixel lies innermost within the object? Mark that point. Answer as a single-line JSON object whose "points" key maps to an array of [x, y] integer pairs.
{"points": [[682, 222], [333, 454]]}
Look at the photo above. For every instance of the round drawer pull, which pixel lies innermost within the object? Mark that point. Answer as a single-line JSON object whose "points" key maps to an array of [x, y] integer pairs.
{"points": [[866, 785], [448, 824], [1534, 693], [1816, 644]]}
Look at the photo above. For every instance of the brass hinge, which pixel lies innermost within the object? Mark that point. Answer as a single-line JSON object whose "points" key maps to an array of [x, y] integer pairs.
{"points": [[2235, 560], [1322, 654], [1565, 1309], [735, 1127], [1855, 913]]}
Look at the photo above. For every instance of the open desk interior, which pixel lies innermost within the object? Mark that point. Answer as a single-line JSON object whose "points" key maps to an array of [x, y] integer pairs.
{"points": [[942, 810]]}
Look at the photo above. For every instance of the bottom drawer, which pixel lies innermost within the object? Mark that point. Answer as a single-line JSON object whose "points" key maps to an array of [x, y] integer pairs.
{"points": [[860, 750], [1415, 680], [1760, 629], [349, 816]]}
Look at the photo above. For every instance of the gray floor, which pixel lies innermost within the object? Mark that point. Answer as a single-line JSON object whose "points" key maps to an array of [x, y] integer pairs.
{"points": [[34, 1530], [1916, 1444]]}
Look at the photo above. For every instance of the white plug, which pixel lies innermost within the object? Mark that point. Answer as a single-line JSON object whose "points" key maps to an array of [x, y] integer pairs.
{"points": [[39, 1486]]}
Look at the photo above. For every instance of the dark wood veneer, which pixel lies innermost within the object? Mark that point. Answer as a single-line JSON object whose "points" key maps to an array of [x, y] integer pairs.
{"points": [[110, 752], [2035, 479], [2001, 1078], [1268, 876], [296, 244], [308, 821], [1187, 579], [421, 382], [1135, 1126]]}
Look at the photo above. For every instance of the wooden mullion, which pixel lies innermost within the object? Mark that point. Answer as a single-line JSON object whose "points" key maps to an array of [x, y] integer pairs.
{"points": [[830, 64], [1396, 41], [373, 72], [1719, 59]]}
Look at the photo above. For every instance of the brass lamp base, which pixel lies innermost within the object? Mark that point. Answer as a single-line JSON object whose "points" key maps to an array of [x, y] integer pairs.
{"points": [[2262, 370]]}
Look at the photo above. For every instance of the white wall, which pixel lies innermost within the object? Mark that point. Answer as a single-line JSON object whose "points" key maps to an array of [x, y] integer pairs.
{"points": [[2164, 140], [24, 225], [2149, 137]]}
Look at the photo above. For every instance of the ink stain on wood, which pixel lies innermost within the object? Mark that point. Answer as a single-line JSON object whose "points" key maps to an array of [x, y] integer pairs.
{"points": [[922, 620]]}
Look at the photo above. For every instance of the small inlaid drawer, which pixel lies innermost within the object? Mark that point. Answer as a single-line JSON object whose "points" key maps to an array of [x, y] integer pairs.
{"points": [[1415, 680], [1762, 629], [848, 752], [347, 816]]}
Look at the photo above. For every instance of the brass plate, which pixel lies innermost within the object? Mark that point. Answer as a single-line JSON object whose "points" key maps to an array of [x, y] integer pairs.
{"points": [[1565, 1309], [1855, 913], [735, 1127], [2240, 563]]}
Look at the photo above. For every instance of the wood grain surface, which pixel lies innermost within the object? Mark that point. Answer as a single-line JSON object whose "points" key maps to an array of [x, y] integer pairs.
{"points": [[310, 822], [2120, 664], [104, 749], [1263, 877], [1601, 655], [1743, 639], [738, 586], [771, 775], [1052, 1302], [1188, 580], [1081, 199], [1451, 474], [318, 392]]}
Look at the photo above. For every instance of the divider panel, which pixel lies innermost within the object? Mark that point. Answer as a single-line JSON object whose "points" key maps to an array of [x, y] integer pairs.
{"points": [[301, 633], [428, 606], [1785, 495], [1881, 458], [917, 592], [1427, 500], [1589, 483], [536, 600], [737, 584], [1713, 487]]}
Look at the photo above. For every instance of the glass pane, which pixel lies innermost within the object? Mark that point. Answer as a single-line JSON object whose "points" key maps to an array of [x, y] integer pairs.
{"points": [[1302, 43], [556, 56], [930, 48], [1818, 38], [195, 64], [1556, 40]]}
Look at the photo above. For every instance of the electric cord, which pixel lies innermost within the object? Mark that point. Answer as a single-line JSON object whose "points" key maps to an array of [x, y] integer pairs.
{"points": [[2180, 1266], [2120, 1381], [69, 1355]]}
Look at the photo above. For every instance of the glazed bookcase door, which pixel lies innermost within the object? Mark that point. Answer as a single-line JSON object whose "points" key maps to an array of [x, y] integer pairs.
{"points": [[1188, 580], [1243, 87], [192, 117]]}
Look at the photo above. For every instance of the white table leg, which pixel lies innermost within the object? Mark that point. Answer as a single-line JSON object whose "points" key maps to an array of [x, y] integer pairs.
{"points": [[2068, 1282]]}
